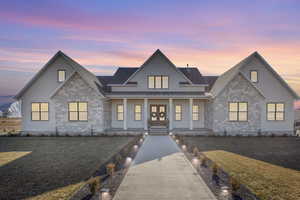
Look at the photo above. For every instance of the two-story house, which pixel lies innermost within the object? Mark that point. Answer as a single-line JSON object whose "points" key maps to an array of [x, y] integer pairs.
{"points": [[65, 98]]}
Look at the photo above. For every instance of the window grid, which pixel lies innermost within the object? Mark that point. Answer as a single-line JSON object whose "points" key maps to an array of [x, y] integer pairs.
{"points": [[195, 112], [274, 112], [61, 75], [138, 112], [120, 112], [158, 82], [238, 111], [40, 111], [254, 76], [78, 111], [178, 112]]}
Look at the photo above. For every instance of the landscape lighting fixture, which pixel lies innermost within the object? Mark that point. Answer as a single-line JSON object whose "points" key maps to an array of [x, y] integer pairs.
{"points": [[105, 194]]}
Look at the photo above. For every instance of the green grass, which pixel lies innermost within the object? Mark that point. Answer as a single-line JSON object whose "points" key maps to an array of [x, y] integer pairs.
{"points": [[267, 181], [51, 167]]}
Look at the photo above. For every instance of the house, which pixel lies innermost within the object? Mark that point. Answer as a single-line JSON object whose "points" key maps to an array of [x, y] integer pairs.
{"points": [[248, 99]]}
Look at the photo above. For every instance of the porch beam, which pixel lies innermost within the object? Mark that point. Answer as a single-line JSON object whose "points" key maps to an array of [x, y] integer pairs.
{"points": [[125, 114], [171, 114], [191, 113], [145, 114]]}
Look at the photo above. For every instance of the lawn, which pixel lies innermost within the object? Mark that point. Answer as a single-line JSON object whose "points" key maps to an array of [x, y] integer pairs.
{"points": [[262, 163], [51, 167]]}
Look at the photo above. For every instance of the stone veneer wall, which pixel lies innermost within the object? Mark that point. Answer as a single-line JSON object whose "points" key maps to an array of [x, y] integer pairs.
{"points": [[76, 89], [239, 89]]}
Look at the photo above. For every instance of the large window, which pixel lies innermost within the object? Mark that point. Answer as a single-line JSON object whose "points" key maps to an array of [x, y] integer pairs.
{"points": [[195, 112], [138, 112], [39, 111], [158, 82], [275, 111], [253, 76], [238, 111], [61, 75], [78, 111], [178, 112], [120, 112]]}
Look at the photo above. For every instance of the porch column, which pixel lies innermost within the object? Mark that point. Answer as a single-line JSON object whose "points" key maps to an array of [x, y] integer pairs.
{"points": [[145, 114], [125, 114], [171, 114], [191, 114]]}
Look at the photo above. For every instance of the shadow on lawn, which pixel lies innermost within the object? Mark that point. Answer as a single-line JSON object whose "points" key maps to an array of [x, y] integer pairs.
{"points": [[53, 163]]}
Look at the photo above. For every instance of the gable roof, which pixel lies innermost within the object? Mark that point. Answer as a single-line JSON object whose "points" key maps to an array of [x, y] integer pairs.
{"points": [[157, 53], [90, 78], [226, 77]]}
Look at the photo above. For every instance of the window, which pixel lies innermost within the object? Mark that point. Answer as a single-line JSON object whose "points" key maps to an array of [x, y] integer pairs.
{"points": [[78, 111], [195, 112], [138, 112], [158, 82], [238, 111], [253, 76], [120, 112], [178, 112], [39, 111], [61, 75], [275, 111]]}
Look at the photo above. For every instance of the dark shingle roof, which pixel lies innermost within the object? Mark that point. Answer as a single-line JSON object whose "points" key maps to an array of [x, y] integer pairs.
{"points": [[123, 73]]}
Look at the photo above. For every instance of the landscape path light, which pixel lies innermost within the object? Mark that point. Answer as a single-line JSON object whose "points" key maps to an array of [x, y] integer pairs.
{"points": [[224, 193], [135, 148], [195, 162], [105, 195], [170, 133], [141, 140], [177, 141], [128, 161], [183, 147]]}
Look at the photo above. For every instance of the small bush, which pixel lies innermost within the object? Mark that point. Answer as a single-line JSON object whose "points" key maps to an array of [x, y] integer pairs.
{"points": [[94, 184], [110, 168], [195, 151], [235, 185], [215, 168], [204, 161]]}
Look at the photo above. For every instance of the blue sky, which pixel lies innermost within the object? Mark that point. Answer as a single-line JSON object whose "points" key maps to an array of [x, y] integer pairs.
{"points": [[103, 35]]}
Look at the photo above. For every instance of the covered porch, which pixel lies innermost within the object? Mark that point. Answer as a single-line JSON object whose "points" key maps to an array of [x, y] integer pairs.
{"points": [[151, 114]]}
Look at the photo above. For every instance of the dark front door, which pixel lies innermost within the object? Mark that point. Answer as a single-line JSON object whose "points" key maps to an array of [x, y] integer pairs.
{"points": [[158, 113]]}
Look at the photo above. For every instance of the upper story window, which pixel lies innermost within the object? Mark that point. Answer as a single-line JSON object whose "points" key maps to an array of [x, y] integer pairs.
{"points": [[275, 111], [39, 111], [61, 75], [78, 111], [238, 111], [158, 82], [254, 76]]}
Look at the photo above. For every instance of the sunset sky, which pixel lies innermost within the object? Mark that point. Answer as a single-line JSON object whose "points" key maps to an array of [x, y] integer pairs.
{"points": [[104, 35]]}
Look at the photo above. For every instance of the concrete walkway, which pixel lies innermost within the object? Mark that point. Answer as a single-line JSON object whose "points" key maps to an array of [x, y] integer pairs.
{"points": [[160, 171]]}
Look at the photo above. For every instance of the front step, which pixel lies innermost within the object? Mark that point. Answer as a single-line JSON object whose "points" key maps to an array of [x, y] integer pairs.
{"points": [[158, 131]]}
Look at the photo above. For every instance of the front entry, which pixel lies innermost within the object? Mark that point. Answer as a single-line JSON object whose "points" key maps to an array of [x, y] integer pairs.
{"points": [[158, 113]]}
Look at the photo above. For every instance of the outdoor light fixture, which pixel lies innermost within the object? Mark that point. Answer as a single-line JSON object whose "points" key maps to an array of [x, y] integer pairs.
{"points": [[195, 161], [128, 161], [141, 140], [135, 147], [177, 141], [105, 194], [170, 133], [146, 133], [183, 147], [224, 192]]}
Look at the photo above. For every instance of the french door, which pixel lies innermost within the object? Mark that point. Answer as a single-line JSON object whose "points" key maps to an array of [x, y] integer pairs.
{"points": [[158, 112]]}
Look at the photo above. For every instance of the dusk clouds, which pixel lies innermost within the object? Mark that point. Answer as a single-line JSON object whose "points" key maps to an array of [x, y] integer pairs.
{"points": [[102, 35]]}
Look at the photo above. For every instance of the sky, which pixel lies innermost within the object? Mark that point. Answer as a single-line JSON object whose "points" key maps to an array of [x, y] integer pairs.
{"points": [[212, 35]]}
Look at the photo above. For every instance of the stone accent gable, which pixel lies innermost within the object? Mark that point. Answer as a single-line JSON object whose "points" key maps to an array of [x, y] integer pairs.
{"points": [[76, 89], [239, 89]]}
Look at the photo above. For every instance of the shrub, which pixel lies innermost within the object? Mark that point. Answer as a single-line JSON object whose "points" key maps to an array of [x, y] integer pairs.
{"points": [[235, 185], [94, 184], [215, 168], [204, 161], [110, 168], [195, 151]]}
